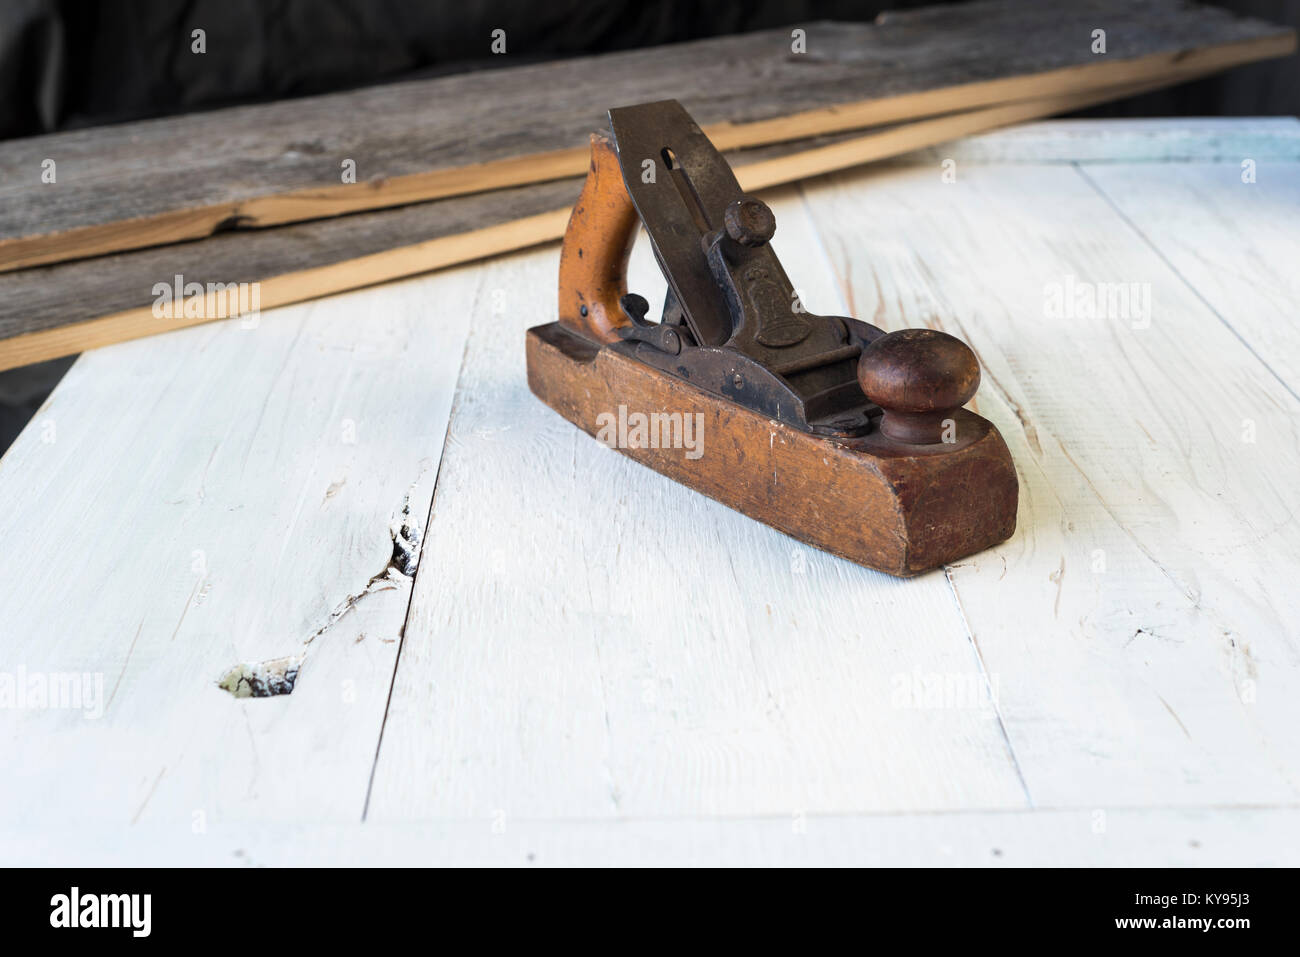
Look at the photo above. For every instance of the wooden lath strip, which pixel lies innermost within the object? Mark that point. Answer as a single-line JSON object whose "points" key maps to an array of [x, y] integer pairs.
{"points": [[414, 259]]}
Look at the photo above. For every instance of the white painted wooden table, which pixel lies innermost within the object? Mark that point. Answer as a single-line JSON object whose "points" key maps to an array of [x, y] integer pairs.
{"points": [[596, 665]]}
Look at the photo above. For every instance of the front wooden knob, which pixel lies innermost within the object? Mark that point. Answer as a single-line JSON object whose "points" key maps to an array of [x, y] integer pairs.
{"points": [[919, 377]]}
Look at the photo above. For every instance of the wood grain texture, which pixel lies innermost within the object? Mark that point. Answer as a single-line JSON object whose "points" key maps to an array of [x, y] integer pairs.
{"points": [[65, 308], [161, 181], [1119, 837], [1141, 624], [589, 639], [223, 513], [598, 240], [68, 307], [1128, 142], [600, 666], [1252, 227]]}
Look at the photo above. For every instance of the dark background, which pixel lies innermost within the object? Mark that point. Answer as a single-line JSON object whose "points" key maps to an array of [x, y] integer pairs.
{"points": [[74, 63], [66, 64]]}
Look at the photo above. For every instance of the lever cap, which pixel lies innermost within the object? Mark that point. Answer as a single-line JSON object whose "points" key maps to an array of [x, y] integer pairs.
{"points": [[919, 377]]}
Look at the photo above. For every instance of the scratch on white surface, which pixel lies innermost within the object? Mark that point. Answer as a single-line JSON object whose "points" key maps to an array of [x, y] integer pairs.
{"points": [[188, 602], [333, 490], [125, 664], [1027, 427], [1173, 714], [148, 797], [401, 567], [278, 676], [387, 580], [1191, 593], [1058, 577]]}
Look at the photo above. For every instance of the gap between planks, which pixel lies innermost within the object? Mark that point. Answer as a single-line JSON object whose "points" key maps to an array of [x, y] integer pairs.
{"points": [[961, 288], [1290, 387]]}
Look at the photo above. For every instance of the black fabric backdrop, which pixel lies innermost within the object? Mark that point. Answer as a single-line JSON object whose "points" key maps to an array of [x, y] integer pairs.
{"points": [[71, 63]]}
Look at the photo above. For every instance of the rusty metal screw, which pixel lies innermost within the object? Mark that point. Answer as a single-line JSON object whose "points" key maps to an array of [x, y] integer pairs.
{"points": [[750, 221]]}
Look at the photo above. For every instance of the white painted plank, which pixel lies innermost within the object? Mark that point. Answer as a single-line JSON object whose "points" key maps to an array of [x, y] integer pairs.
{"points": [[1123, 837], [1187, 139], [1140, 625], [590, 639], [592, 642], [205, 498], [1233, 240]]}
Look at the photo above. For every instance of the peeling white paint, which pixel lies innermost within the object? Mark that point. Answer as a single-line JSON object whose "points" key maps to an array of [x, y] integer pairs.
{"points": [[262, 679], [278, 675]]}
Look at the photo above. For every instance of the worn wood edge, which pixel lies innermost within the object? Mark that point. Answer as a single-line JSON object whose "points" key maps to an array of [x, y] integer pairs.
{"points": [[1030, 86], [461, 248], [918, 509], [1192, 836], [291, 288], [300, 205], [909, 136]]}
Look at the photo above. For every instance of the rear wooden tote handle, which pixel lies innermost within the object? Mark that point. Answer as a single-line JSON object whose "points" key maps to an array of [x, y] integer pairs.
{"points": [[597, 244]]}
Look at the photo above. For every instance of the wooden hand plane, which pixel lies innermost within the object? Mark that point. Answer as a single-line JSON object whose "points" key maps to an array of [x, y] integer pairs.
{"points": [[824, 427]]}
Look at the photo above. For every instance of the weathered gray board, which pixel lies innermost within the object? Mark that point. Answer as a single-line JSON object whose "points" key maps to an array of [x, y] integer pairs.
{"points": [[64, 308], [160, 181]]}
